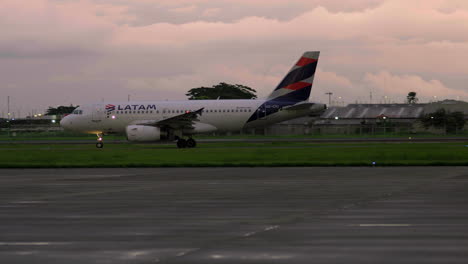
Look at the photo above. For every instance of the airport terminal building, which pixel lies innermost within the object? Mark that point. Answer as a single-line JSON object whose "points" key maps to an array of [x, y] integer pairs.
{"points": [[367, 119]]}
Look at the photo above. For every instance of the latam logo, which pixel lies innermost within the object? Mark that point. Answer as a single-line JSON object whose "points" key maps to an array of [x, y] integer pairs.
{"points": [[136, 107], [110, 108]]}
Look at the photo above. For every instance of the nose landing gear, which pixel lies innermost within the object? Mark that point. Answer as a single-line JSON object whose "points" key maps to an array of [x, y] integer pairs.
{"points": [[189, 143], [99, 143]]}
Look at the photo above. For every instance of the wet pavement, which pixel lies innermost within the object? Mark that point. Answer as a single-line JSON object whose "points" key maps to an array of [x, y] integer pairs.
{"points": [[235, 215]]}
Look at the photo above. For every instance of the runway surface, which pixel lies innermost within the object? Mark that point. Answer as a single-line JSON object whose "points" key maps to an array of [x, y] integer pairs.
{"points": [[235, 215]]}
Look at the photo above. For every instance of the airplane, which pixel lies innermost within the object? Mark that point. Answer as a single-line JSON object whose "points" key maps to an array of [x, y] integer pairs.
{"points": [[148, 121]]}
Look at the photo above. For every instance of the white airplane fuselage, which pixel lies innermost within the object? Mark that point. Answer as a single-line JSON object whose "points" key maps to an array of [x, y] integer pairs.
{"points": [[147, 121], [222, 115]]}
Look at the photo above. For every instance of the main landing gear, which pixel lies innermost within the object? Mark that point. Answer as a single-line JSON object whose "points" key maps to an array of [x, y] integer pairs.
{"points": [[99, 143], [189, 143]]}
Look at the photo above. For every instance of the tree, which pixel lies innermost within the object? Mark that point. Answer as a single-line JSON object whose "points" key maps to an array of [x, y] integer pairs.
{"points": [[60, 110], [411, 98], [449, 121], [222, 91]]}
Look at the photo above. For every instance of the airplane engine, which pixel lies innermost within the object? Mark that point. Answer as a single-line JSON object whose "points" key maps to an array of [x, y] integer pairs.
{"points": [[143, 133], [317, 109]]}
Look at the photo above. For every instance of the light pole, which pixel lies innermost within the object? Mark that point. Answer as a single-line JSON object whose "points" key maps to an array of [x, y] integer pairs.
{"points": [[8, 106], [329, 97]]}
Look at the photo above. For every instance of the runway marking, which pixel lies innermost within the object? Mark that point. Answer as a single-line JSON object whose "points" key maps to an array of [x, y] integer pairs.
{"points": [[271, 228], [25, 253], [27, 202], [183, 253], [33, 243], [258, 256], [134, 254], [383, 225], [249, 234], [268, 228]]}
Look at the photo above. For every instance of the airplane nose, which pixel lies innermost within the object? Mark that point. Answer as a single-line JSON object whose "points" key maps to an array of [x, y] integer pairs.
{"points": [[65, 122]]}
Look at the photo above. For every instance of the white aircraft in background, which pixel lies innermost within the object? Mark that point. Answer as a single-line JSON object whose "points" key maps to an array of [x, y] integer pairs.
{"points": [[174, 120]]}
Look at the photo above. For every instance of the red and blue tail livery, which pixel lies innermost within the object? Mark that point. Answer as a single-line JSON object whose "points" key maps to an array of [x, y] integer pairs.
{"points": [[297, 84], [293, 89]]}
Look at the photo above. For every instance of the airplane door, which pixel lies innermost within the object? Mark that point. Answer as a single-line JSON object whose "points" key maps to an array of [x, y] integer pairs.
{"points": [[98, 113]]}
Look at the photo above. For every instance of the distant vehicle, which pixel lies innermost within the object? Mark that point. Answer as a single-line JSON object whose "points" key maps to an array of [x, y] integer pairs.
{"points": [[180, 120]]}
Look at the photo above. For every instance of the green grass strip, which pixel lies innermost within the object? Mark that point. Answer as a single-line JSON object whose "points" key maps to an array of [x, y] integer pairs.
{"points": [[234, 154]]}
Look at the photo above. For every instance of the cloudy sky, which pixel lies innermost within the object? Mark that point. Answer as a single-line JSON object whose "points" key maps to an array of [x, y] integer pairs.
{"points": [[80, 51]]}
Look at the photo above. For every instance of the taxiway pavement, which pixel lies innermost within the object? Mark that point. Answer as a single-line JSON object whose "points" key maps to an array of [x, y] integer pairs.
{"points": [[234, 215]]}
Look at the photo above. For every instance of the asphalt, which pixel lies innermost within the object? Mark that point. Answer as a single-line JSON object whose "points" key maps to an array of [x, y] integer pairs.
{"points": [[235, 215]]}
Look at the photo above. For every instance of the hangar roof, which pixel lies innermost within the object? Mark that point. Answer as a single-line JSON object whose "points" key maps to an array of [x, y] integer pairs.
{"points": [[370, 111]]}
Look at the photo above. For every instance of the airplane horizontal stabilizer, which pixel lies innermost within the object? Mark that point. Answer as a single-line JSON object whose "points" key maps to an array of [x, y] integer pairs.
{"points": [[302, 106]]}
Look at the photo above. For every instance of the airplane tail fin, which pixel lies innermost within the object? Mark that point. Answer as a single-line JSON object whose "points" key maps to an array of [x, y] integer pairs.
{"points": [[297, 84]]}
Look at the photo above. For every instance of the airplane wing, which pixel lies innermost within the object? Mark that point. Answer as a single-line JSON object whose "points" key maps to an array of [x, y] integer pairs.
{"points": [[183, 121]]}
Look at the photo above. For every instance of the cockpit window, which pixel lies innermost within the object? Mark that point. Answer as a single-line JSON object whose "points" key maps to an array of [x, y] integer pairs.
{"points": [[77, 112]]}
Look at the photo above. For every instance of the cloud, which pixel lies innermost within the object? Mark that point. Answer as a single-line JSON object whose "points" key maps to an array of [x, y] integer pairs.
{"points": [[385, 83], [184, 9], [211, 12], [85, 50], [149, 12]]}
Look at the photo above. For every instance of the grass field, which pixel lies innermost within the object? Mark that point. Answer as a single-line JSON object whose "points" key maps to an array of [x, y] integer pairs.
{"points": [[78, 136], [234, 154]]}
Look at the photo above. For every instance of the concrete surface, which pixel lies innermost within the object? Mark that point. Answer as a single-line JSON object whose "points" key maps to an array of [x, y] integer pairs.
{"points": [[234, 215]]}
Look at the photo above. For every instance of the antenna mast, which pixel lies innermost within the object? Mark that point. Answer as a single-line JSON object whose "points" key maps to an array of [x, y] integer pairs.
{"points": [[329, 97]]}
